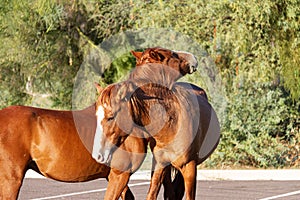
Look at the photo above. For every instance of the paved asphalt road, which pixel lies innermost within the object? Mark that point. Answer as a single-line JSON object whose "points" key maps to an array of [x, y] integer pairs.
{"points": [[206, 190]]}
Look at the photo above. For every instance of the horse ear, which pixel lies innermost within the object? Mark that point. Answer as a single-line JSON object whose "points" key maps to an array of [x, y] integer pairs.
{"points": [[98, 87], [137, 54]]}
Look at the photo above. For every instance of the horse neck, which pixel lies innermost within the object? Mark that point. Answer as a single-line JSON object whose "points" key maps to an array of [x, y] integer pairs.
{"points": [[181, 126], [154, 73], [85, 122], [153, 106]]}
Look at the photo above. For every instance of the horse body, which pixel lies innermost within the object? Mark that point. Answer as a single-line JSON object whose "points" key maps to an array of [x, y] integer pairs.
{"points": [[180, 116], [47, 138], [182, 127], [47, 141], [189, 135]]}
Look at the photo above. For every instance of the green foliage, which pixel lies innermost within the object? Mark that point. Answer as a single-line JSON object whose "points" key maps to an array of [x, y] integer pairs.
{"points": [[36, 42], [261, 123], [118, 69], [109, 17], [265, 117], [289, 56], [10, 79], [44, 43]]}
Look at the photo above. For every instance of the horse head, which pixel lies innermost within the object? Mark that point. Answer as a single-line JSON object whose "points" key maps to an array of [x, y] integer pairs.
{"points": [[113, 121], [182, 62]]}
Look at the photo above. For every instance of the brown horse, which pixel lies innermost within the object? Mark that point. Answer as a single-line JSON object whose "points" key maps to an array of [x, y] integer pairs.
{"points": [[49, 142], [173, 63], [162, 56], [180, 61], [168, 60], [157, 60], [174, 70], [183, 127]]}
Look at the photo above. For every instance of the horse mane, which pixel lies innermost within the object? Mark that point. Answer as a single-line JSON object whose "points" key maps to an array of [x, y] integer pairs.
{"points": [[138, 107], [106, 94], [145, 96]]}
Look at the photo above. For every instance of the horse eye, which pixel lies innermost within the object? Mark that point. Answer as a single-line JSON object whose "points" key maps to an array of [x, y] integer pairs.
{"points": [[110, 118], [161, 56]]}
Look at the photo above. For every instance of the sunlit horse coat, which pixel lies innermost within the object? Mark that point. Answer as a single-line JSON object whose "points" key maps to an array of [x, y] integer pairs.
{"points": [[182, 126]]}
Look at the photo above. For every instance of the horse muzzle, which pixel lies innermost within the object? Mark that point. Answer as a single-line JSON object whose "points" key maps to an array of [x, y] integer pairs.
{"points": [[102, 157], [193, 64], [193, 68]]}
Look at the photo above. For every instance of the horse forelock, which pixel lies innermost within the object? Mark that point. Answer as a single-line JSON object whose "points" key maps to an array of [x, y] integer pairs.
{"points": [[105, 96]]}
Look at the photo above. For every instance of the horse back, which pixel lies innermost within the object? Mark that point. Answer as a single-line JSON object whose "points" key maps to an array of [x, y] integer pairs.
{"points": [[23, 128]]}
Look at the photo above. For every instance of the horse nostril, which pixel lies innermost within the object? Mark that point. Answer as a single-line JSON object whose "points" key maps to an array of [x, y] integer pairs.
{"points": [[195, 68], [100, 158]]}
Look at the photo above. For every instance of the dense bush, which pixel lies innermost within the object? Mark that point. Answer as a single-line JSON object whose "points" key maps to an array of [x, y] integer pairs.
{"points": [[43, 44], [255, 135], [36, 40]]}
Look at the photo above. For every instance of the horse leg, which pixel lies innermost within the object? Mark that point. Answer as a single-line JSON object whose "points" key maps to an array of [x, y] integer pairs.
{"points": [[117, 182], [157, 178], [169, 193], [10, 186], [11, 178], [127, 194], [178, 186], [189, 173], [174, 190], [155, 184]]}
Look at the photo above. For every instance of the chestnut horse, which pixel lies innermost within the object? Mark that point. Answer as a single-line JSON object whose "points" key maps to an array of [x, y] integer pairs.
{"points": [[182, 127], [48, 142], [180, 61], [176, 64], [162, 56], [179, 68]]}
